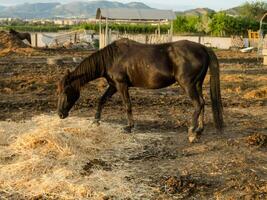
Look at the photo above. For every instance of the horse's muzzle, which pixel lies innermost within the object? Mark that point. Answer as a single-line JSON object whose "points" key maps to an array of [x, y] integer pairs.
{"points": [[62, 115]]}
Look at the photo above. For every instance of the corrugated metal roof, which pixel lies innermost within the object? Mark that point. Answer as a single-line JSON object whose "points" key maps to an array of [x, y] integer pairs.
{"points": [[135, 14]]}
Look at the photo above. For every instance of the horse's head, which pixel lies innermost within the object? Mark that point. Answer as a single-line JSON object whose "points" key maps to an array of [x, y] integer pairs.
{"points": [[67, 96], [12, 31]]}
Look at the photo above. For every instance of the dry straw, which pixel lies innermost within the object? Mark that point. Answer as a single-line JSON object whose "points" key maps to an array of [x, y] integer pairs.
{"points": [[45, 157]]}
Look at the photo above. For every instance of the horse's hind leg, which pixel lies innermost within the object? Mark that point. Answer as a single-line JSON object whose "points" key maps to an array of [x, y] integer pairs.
{"points": [[200, 128], [108, 94], [192, 92], [123, 90]]}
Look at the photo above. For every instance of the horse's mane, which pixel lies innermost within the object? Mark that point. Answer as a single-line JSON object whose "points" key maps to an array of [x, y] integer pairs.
{"points": [[94, 66], [12, 31]]}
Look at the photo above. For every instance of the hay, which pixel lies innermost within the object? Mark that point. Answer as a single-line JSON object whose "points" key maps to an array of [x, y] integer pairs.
{"points": [[183, 186], [11, 44], [46, 157], [256, 139], [257, 93]]}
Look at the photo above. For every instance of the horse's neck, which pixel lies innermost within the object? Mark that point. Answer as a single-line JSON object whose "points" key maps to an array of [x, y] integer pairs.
{"points": [[86, 72]]}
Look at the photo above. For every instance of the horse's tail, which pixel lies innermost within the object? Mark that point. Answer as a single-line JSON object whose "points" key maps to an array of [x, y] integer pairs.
{"points": [[215, 93]]}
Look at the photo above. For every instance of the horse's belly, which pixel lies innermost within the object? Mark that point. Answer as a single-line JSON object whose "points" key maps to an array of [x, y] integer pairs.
{"points": [[152, 81]]}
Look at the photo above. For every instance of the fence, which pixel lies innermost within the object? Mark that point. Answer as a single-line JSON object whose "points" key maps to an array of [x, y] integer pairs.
{"points": [[63, 38]]}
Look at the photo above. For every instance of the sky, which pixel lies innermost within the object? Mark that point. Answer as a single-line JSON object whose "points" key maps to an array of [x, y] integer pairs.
{"points": [[177, 5]]}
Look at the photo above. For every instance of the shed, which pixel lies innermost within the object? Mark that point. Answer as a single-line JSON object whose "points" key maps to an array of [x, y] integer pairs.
{"points": [[135, 14], [132, 15]]}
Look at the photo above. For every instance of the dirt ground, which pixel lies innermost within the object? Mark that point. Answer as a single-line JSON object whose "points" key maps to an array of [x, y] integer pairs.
{"points": [[43, 157]]}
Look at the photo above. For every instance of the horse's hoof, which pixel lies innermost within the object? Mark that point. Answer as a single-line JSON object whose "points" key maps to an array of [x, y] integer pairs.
{"points": [[95, 123], [127, 129], [193, 136], [192, 139], [199, 131]]}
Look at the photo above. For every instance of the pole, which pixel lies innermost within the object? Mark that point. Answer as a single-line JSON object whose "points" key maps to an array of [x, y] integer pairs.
{"points": [[100, 34], [109, 36], [171, 31], [106, 33], [36, 40], [159, 28], [75, 38]]}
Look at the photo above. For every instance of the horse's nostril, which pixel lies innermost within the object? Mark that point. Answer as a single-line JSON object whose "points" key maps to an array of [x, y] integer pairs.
{"points": [[61, 115]]}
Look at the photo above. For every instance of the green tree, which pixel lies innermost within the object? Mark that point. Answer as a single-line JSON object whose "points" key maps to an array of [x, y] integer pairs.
{"points": [[225, 25], [218, 25], [204, 23], [253, 10], [179, 25], [192, 22]]}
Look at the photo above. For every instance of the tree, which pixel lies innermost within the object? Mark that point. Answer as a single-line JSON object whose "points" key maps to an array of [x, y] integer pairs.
{"points": [[253, 10], [203, 25], [218, 25], [179, 24], [225, 25]]}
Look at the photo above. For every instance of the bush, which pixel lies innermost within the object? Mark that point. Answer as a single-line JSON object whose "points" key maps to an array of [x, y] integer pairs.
{"points": [[129, 28], [38, 28], [218, 24], [225, 25]]}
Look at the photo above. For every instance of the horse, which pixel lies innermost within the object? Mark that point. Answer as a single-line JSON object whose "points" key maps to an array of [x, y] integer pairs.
{"points": [[126, 63], [21, 36]]}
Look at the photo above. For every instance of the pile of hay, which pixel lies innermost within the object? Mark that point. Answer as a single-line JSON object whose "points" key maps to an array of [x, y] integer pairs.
{"points": [[256, 139], [260, 93], [10, 43], [49, 158]]}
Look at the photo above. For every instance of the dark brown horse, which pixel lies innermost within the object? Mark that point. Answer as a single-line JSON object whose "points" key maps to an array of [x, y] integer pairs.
{"points": [[21, 36], [126, 63]]}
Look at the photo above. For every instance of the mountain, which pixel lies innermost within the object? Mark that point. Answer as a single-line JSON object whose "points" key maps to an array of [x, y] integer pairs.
{"points": [[137, 5], [73, 9], [195, 12], [233, 11], [27, 10]]}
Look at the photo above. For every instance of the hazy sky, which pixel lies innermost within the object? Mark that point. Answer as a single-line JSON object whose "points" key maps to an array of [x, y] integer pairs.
{"points": [[168, 4]]}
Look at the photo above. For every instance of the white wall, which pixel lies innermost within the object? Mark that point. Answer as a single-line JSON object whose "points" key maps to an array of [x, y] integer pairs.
{"points": [[217, 42]]}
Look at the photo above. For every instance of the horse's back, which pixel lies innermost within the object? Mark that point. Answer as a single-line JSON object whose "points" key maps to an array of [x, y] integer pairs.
{"points": [[144, 65], [158, 65]]}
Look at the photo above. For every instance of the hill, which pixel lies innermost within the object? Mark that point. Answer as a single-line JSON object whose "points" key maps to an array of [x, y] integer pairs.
{"points": [[233, 11], [196, 12], [254, 10], [73, 9], [42, 10]]}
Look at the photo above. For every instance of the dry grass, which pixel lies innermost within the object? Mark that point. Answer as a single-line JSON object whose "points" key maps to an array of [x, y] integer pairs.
{"points": [[259, 93], [43, 158], [10, 44]]}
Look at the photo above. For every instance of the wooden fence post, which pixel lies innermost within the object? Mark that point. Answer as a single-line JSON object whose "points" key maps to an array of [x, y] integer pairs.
{"points": [[36, 40]]}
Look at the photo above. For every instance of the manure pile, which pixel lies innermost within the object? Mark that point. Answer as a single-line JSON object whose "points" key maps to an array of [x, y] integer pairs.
{"points": [[49, 158], [10, 43]]}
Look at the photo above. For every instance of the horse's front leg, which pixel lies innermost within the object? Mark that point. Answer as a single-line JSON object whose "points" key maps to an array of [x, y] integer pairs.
{"points": [[123, 90], [107, 94]]}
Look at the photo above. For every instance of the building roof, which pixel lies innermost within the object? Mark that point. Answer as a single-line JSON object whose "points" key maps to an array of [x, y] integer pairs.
{"points": [[134, 14]]}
